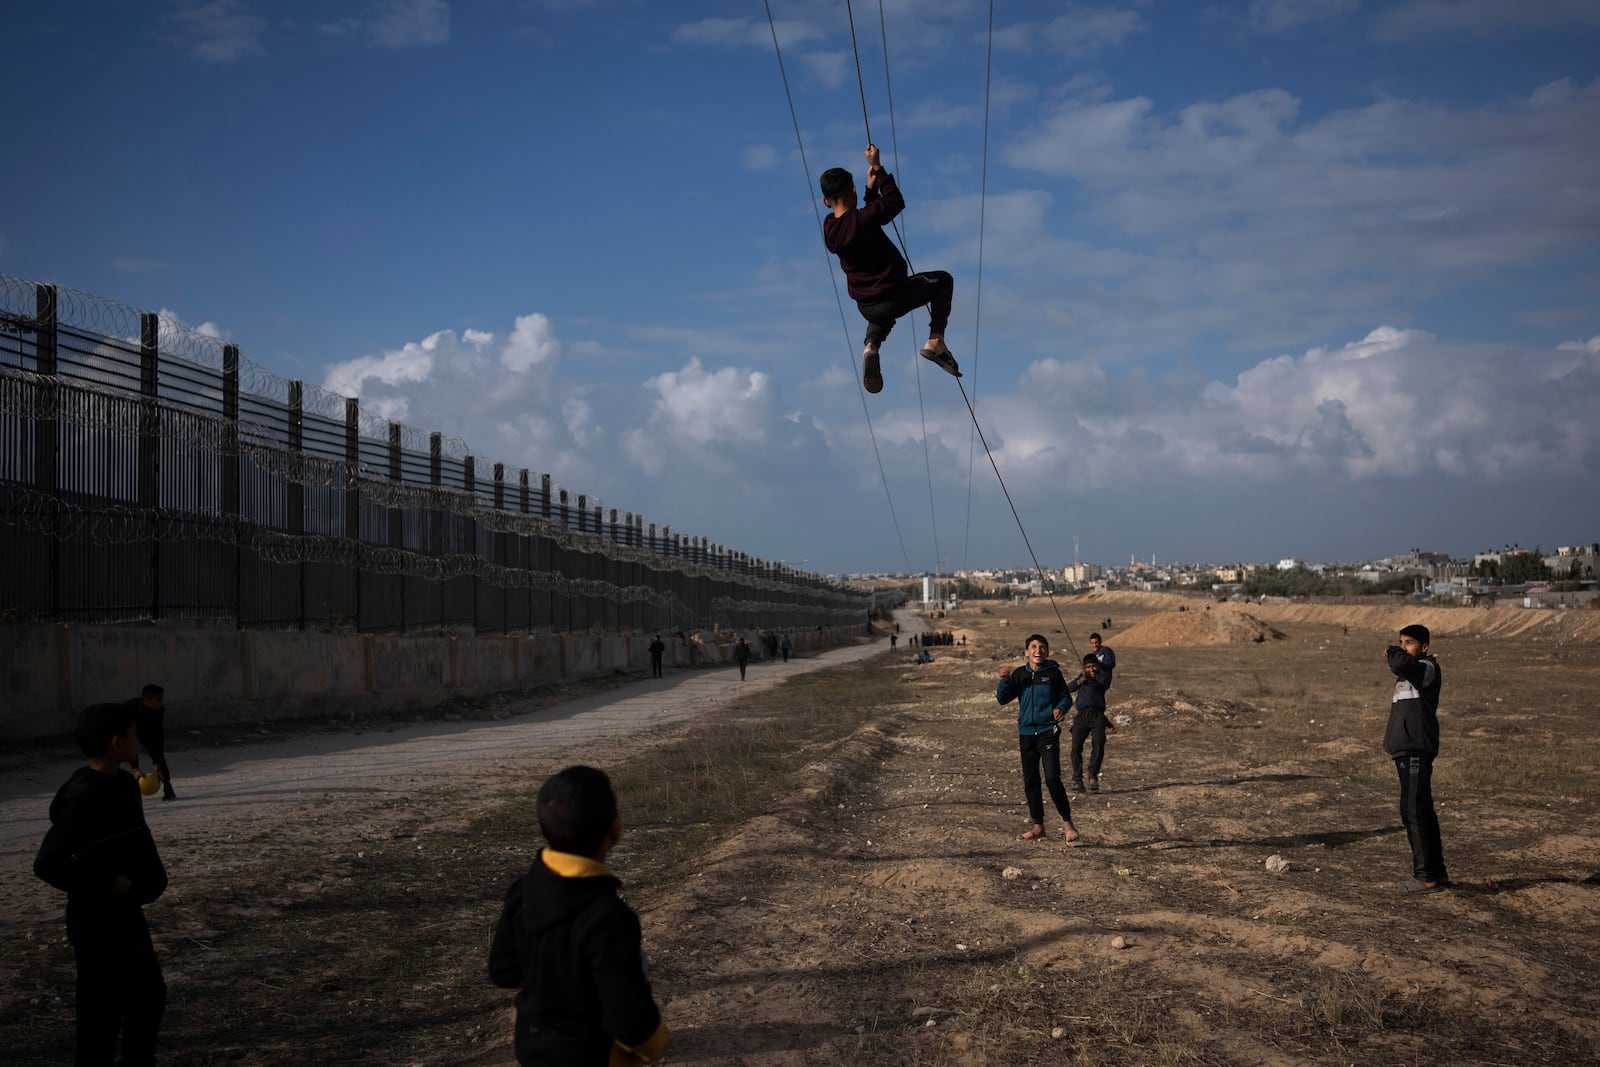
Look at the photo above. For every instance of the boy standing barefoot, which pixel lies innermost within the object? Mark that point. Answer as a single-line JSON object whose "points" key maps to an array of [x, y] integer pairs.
{"points": [[1040, 692]]}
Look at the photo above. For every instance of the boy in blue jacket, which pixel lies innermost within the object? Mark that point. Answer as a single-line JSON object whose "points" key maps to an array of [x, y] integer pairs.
{"points": [[1412, 740], [99, 851], [1040, 693], [569, 945]]}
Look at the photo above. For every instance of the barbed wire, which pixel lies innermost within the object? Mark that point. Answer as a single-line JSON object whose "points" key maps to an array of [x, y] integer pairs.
{"points": [[36, 397], [119, 524]]}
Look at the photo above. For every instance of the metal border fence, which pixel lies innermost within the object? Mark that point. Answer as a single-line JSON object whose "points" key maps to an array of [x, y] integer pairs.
{"points": [[148, 471]]}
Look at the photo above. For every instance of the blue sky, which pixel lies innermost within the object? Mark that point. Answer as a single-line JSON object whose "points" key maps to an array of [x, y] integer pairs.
{"points": [[1259, 278]]}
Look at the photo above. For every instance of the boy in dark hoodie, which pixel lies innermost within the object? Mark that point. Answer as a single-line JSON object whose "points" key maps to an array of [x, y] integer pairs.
{"points": [[1412, 739], [875, 272], [99, 851], [1089, 721], [569, 945], [1040, 693]]}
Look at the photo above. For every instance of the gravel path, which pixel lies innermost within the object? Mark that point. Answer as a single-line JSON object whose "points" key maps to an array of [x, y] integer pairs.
{"points": [[218, 784]]}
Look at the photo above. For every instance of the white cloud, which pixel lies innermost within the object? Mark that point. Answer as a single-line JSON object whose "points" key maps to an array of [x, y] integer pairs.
{"points": [[1395, 402], [410, 23], [1426, 18], [533, 342], [830, 69], [219, 31], [758, 157], [746, 32], [411, 363], [1077, 32], [1250, 219], [1278, 16]]}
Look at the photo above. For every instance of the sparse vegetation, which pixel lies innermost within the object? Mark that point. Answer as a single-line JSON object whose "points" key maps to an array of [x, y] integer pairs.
{"points": [[821, 873]]}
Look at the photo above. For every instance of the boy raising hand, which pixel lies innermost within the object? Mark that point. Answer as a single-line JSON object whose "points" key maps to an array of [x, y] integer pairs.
{"points": [[875, 272]]}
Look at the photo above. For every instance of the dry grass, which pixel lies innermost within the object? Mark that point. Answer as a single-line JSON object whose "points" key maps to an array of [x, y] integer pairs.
{"points": [[807, 862]]}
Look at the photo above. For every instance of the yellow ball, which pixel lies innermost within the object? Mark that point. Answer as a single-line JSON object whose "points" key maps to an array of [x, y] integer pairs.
{"points": [[150, 784]]}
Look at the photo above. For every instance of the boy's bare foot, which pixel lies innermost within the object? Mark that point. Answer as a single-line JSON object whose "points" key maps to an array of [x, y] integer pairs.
{"points": [[1034, 834], [1072, 834], [871, 371]]}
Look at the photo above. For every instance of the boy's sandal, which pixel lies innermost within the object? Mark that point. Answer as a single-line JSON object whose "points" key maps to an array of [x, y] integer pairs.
{"points": [[872, 372], [943, 359], [1417, 885], [1033, 835]]}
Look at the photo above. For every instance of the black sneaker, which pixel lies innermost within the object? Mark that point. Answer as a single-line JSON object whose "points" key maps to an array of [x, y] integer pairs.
{"points": [[1094, 785], [944, 359], [1077, 786], [871, 373]]}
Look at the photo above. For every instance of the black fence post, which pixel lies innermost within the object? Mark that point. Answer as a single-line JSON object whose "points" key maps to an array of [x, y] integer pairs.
{"points": [[352, 492], [150, 445], [397, 516], [230, 474], [469, 479], [436, 509], [46, 444], [296, 502]]}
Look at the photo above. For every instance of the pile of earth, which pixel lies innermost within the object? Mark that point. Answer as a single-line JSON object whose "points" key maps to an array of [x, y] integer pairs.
{"points": [[1208, 624]]}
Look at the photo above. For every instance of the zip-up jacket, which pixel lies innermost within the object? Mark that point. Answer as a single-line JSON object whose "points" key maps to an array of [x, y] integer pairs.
{"points": [[1414, 716], [573, 947], [1090, 700], [1037, 693], [873, 267]]}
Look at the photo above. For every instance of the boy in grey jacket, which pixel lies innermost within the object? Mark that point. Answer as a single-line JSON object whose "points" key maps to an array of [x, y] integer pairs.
{"points": [[1412, 740]]}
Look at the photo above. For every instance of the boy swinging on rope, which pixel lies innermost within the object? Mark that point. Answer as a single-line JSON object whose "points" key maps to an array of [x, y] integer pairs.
{"points": [[874, 270]]}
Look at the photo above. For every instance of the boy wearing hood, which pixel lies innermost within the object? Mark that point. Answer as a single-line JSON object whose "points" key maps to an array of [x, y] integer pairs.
{"points": [[1412, 740], [569, 945], [99, 851], [1040, 692]]}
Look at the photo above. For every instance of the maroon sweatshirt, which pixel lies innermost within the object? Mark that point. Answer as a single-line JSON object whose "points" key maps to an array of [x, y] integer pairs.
{"points": [[873, 267]]}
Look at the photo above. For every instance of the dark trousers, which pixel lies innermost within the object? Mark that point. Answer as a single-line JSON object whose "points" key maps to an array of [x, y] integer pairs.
{"points": [[1097, 750], [1037, 749], [1422, 824], [742, 665], [933, 288], [120, 989], [156, 747], [655, 665], [786, 655]]}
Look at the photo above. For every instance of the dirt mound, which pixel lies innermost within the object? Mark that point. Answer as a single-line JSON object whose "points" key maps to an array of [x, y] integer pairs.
{"points": [[1215, 624]]}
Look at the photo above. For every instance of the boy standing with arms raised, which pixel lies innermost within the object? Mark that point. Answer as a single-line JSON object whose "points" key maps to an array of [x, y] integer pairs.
{"points": [[874, 270], [569, 945], [1412, 739], [99, 851]]}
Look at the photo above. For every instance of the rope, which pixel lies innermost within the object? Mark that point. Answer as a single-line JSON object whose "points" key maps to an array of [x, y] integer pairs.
{"points": [[977, 311], [833, 278], [916, 361], [861, 86], [1014, 515]]}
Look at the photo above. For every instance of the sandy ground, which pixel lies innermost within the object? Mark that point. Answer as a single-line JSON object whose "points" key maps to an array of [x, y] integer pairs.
{"points": [[228, 792], [886, 912]]}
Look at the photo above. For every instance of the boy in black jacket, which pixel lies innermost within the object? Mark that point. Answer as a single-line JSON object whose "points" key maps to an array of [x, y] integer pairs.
{"points": [[1412, 739], [99, 851], [1089, 688], [570, 946]]}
